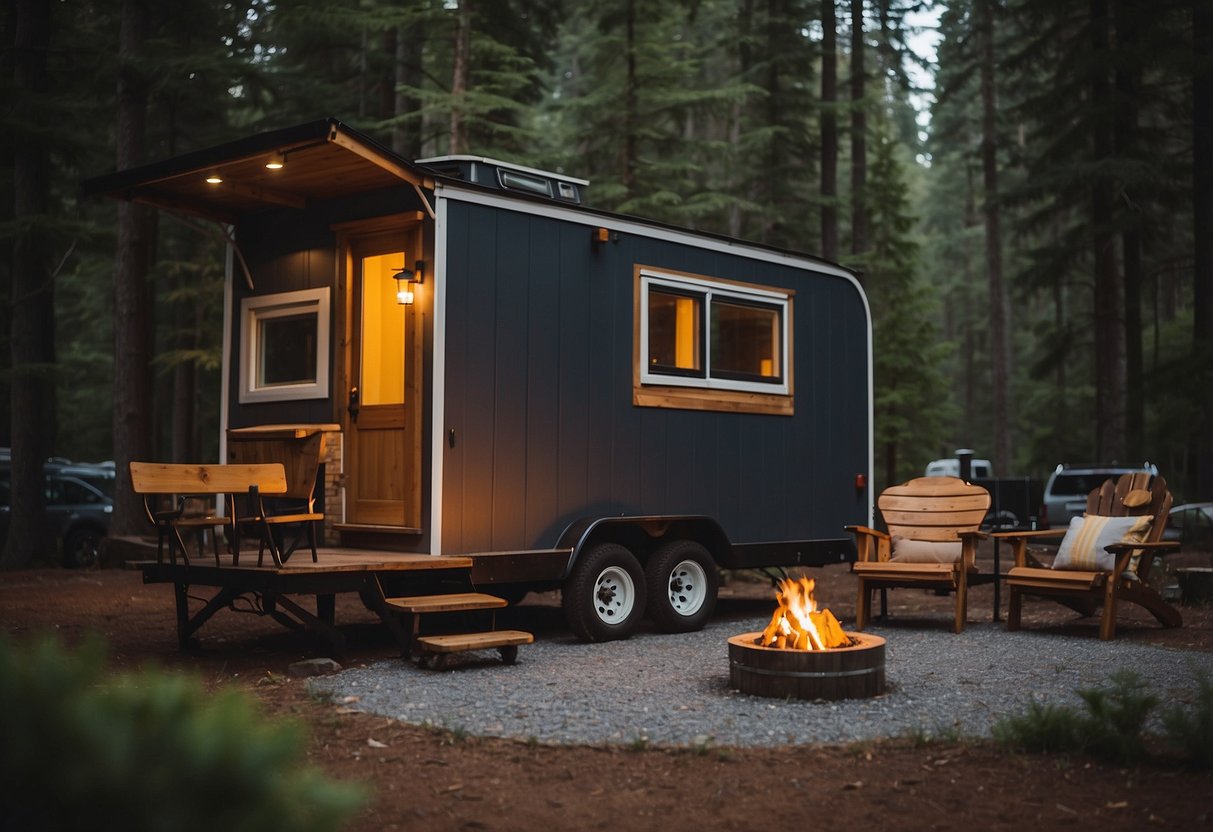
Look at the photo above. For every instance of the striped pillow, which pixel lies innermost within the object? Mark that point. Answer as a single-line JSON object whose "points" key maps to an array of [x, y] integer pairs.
{"points": [[1083, 545]]}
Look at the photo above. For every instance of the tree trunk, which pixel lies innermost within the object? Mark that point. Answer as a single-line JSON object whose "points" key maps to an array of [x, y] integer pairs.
{"points": [[32, 329], [184, 380], [774, 167], [1128, 75], [1201, 468], [406, 135], [1109, 324], [829, 131], [132, 399], [631, 117], [459, 79], [859, 130], [999, 348], [968, 281]]}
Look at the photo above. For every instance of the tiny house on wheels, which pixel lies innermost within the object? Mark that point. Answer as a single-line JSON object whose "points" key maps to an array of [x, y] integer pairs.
{"points": [[574, 398]]}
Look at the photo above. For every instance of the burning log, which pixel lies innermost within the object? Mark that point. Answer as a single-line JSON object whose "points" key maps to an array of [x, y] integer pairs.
{"points": [[797, 624]]}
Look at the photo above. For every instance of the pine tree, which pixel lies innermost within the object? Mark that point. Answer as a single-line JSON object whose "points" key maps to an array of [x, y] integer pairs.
{"points": [[910, 390]]}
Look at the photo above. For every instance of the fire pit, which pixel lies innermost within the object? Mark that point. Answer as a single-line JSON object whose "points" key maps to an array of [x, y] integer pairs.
{"points": [[804, 653]]}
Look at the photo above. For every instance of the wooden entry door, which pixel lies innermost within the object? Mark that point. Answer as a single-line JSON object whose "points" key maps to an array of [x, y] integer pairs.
{"points": [[384, 386]]}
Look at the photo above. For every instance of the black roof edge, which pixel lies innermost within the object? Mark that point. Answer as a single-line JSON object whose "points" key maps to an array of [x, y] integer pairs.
{"points": [[635, 218], [116, 184], [120, 181]]}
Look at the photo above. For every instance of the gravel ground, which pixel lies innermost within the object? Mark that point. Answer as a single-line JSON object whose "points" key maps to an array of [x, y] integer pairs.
{"points": [[673, 690]]}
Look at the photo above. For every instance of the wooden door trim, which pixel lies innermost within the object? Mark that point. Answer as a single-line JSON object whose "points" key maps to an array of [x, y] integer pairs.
{"points": [[410, 231]]}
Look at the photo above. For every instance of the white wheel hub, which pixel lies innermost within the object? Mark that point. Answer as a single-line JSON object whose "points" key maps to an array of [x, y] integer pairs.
{"points": [[614, 595], [688, 587]]}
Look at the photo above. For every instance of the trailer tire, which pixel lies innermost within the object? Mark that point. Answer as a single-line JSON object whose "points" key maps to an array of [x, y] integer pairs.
{"points": [[682, 582], [604, 595]]}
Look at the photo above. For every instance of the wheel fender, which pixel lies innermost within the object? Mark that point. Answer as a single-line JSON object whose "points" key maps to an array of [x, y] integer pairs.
{"points": [[585, 531]]}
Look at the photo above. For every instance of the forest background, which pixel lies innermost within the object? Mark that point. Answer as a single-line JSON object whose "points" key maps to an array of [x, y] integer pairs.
{"points": [[1029, 205]]}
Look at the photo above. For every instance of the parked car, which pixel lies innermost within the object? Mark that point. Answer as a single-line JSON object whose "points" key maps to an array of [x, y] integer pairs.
{"points": [[1192, 525], [1066, 491], [79, 502]]}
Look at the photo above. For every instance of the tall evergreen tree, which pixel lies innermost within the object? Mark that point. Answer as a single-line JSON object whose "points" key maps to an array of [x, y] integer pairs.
{"points": [[859, 129], [132, 312], [910, 391], [1201, 478], [999, 346], [829, 130], [32, 304]]}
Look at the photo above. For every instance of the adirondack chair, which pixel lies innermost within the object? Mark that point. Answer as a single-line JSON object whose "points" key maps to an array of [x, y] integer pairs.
{"points": [[1095, 572], [934, 525]]}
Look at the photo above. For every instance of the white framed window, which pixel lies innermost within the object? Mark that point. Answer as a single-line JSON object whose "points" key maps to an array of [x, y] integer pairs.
{"points": [[284, 346], [700, 333]]}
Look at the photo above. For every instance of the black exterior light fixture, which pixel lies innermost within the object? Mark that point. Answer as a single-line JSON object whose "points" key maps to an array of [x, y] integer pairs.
{"points": [[406, 279], [276, 160]]}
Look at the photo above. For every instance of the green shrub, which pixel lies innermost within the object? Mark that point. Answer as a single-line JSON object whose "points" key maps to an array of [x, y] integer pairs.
{"points": [[1111, 728], [1116, 718], [147, 751], [1044, 728], [1191, 732]]}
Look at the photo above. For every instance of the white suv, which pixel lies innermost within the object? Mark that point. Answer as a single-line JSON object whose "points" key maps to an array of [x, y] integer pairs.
{"points": [[1068, 486]]}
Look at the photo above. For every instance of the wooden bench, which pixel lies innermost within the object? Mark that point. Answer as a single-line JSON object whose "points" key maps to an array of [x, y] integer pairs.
{"points": [[432, 650], [182, 484]]}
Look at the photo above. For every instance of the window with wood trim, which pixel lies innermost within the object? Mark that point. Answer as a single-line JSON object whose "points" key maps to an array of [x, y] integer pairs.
{"points": [[284, 346], [711, 344]]}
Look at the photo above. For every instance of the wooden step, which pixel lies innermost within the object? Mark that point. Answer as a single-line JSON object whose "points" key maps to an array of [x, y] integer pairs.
{"points": [[459, 642], [434, 650], [455, 602]]}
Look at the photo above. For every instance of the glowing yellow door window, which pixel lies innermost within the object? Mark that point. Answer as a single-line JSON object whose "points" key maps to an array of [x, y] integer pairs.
{"points": [[382, 380]]}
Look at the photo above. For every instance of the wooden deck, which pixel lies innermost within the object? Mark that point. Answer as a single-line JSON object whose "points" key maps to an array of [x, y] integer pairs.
{"points": [[278, 589], [329, 559]]}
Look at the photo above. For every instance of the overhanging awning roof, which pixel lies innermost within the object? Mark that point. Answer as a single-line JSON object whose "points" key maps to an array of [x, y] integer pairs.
{"points": [[323, 160]]}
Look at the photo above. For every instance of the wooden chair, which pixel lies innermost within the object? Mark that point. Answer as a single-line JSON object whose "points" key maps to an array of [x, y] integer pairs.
{"points": [[921, 515], [1084, 590], [299, 448]]}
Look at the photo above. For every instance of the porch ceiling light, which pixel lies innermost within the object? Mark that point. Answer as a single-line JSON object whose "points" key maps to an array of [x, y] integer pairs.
{"points": [[214, 178], [276, 161]]}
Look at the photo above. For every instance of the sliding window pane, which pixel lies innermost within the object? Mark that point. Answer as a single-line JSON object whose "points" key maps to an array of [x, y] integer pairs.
{"points": [[675, 333], [746, 342]]}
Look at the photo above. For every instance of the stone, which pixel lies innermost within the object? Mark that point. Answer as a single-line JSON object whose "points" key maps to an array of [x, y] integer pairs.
{"points": [[313, 667]]}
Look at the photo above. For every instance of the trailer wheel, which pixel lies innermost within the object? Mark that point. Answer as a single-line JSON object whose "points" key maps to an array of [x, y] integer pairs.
{"points": [[604, 596], [682, 581]]}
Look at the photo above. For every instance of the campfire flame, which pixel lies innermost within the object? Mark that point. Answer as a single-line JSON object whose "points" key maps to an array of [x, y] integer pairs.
{"points": [[797, 624]]}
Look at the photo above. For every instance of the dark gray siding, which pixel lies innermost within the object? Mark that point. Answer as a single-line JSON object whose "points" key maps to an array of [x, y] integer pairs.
{"points": [[288, 250], [539, 394]]}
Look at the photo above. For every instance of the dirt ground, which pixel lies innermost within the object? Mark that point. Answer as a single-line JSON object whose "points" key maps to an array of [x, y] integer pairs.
{"points": [[427, 779]]}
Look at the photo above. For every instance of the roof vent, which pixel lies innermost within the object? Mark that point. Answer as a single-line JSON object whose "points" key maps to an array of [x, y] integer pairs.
{"points": [[492, 173]]}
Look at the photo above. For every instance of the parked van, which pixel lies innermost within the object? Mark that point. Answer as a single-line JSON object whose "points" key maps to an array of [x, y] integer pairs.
{"points": [[980, 469]]}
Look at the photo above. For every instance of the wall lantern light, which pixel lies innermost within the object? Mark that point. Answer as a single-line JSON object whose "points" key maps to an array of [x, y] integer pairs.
{"points": [[276, 160], [406, 278]]}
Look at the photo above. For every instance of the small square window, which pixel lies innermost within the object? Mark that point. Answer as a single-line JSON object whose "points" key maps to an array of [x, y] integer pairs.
{"points": [[284, 346]]}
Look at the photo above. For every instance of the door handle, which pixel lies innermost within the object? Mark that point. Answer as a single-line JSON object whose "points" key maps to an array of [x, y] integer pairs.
{"points": [[354, 405]]}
